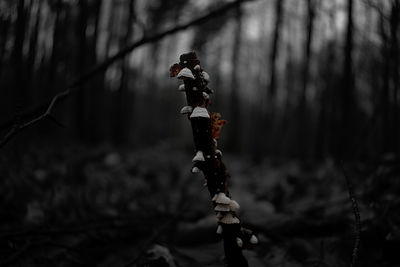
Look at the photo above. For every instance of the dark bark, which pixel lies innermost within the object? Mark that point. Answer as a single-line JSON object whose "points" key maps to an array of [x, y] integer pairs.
{"points": [[33, 47], [307, 50], [325, 133], [83, 99], [5, 24], [383, 106], [394, 28], [304, 120], [210, 161], [54, 58], [275, 48], [17, 55], [124, 99], [347, 94], [234, 121]]}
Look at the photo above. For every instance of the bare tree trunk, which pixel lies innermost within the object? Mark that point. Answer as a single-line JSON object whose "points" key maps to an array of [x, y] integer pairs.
{"points": [[33, 46], [304, 120], [57, 32], [275, 48], [347, 94], [4, 29], [383, 106], [394, 27], [17, 55], [234, 138], [306, 63], [83, 100], [123, 96]]}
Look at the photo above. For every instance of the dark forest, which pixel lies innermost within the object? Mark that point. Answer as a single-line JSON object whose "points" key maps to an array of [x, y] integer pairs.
{"points": [[96, 163]]}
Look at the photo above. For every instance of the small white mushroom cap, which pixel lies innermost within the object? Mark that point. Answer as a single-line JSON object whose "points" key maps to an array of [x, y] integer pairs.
{"points": [[215, 143], [234, 206], [222, 207], [229, 219], [205, 76], [199, 156], [181, 88], [197, 67], [222, 199], [195, 170], [218, 152], [195, 88], [185, 73], [205, 95], [239, 242], [253, 240], [200, 112], [219, 229], [186, 109]]}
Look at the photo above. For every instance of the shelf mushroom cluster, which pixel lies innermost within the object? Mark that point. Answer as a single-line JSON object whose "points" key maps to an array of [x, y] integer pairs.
{"points": [[207, 157]]}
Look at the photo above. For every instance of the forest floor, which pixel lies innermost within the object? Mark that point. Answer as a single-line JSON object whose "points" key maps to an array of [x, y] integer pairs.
{"points": [[75, 206]]}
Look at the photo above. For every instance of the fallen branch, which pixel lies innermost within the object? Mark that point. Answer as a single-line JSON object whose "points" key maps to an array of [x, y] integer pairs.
{"points": [[206, 127], [357, 227], [76, 85]]}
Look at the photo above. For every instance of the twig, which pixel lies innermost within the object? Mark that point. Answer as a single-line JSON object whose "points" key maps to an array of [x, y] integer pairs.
{"points": [[75, 86], [47, 114], [357, 227]]}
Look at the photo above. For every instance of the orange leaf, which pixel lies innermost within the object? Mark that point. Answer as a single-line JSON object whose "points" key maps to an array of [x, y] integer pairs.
{"points": [[174, 70], [216, 124]]}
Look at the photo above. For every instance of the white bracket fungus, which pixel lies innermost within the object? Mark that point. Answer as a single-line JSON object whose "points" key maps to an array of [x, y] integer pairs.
{"points": [[222, 207], [253, 240], [199, 156], [229, 219], [234, 206], [197, 67], [239, 242], [200, 112], [195, 170], [205, 76], [186, 109], [181, 88], [221, 198], [185, 73]]}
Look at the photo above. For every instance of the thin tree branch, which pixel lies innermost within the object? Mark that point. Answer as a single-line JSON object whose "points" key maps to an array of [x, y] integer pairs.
{"points": [[47, 114], [357, 226], [76, 85]]}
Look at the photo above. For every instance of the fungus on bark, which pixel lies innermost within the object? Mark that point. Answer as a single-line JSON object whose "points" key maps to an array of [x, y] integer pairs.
{"points": [[206, 128]]}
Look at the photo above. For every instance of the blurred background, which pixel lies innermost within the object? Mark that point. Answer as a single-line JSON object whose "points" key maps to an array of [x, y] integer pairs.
{"points": [[304, 85]]}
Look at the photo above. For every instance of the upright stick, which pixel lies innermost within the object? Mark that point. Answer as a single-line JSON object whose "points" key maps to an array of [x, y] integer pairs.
{"points": [[206, 127]]}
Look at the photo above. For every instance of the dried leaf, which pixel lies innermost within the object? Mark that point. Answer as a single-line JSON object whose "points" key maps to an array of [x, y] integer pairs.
{"points": [[216, 124], [174, 70]]}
